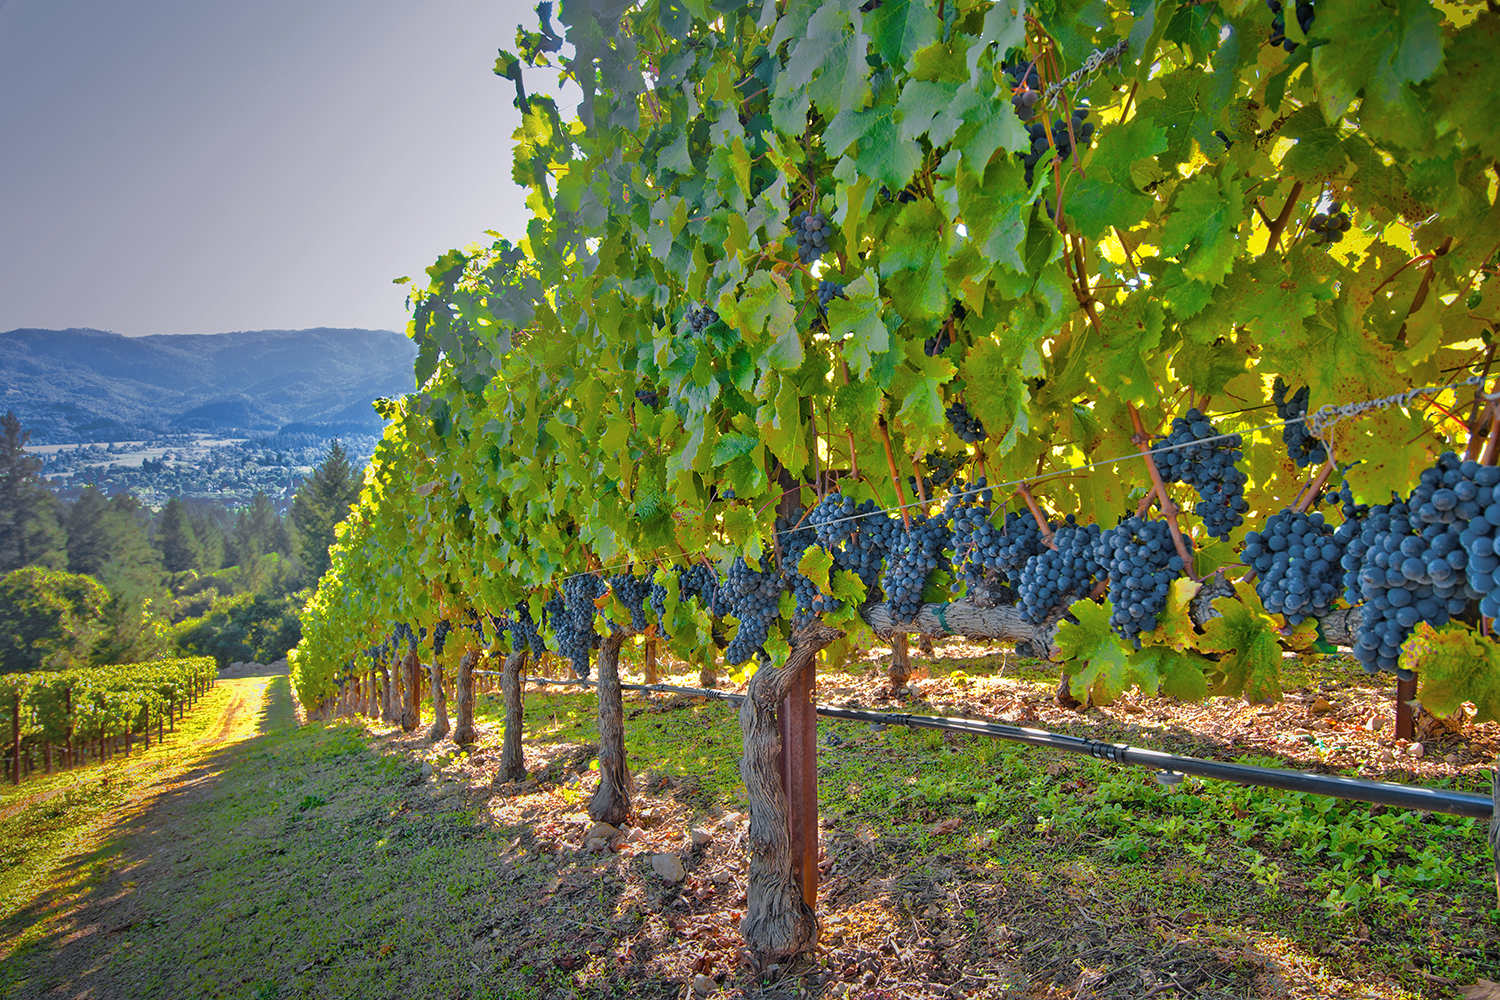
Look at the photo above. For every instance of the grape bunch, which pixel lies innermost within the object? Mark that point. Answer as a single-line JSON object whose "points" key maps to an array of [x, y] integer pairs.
{"points": [[1298, 562], [909, 565], [1026, 89], [941, 470], [811, 233], [700, 318], [440, 636], [1424, 559], [753, 598], [1141, 562], [1278, 22], [403, 631], [1057, 576], [964, 424], [632, 590], [1330, 226], [1062, 139], [702, 582], [900, 197], [573, 620], [984, 552], [827, 292], [524, 633], [938, 342], [833, 520], [1303, 448], [1199, 456], [810, 600], [649, 397]]}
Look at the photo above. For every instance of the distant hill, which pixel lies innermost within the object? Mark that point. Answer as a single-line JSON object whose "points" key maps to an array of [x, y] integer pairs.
{"points": [[90, 385]]}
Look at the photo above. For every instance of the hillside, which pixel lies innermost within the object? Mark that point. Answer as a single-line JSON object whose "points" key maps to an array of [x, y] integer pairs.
{"points": [[91, 385]]}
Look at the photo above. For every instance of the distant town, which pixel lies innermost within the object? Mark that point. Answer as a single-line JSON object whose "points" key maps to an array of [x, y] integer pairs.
{"points": [[228, 470]]}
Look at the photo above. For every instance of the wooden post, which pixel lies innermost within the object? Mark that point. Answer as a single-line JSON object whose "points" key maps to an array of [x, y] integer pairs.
{"points": [[512, 762], [650, 668], [797, 723], [1406, 692], [146, 729], [68, 713], [900, 661]]}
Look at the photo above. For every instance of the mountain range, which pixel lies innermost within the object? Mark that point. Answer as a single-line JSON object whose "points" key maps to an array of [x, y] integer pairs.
{"points": [[91, 385]]}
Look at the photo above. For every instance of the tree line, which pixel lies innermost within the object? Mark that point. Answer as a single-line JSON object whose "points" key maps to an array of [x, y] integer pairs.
{"points": [[104, 579]]}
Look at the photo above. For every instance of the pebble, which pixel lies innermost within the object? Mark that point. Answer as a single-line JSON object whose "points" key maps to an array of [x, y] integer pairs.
{"points": [[1451, 758], [1321, 705], [1416, 749], [668, 867], [1384, 756], [426, 768], [704, 984], [602, 831], [635, 835], [700, 837]]}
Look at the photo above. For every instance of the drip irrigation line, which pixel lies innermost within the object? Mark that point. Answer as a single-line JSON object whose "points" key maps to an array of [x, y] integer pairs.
{"points": [[1386, 793]]}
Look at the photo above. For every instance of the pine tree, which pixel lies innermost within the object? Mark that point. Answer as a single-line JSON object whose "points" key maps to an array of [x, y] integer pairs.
{"points": [[322, 501], [30, 530], [175, 538]]}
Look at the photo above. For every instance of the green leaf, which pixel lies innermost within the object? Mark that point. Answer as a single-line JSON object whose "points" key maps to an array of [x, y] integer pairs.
{"points": [[1377, 47], [815, 563], [1464, 95], [1093, 658], [1454, 664], [899, 28], [881, 154], [1245, 635], [856, 320], [911, 269]]}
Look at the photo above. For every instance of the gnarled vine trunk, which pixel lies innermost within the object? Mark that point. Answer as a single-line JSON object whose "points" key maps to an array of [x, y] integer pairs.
{"points": [[439, 727], [650, 667], [387, 708], [900, 670], [611, 802], [512, 763], [411, 711], [463, 691], [777, 921]]}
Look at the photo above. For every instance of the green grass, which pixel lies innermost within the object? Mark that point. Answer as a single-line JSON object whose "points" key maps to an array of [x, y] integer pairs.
{"points": [[318, 861]]}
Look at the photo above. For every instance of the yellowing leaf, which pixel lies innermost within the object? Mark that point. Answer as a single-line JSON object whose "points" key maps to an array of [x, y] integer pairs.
{"points": [[1245, 636], [1454, 664]]}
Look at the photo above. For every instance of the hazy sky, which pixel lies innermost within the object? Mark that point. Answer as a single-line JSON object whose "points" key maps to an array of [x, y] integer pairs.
{"points": [[177, 166]]}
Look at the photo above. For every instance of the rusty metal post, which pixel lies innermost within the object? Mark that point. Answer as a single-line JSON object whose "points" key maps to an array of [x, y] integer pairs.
{"points": [[797, 719], [1406, 693]]}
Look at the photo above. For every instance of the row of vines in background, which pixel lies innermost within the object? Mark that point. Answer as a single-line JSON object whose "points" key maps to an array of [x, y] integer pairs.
{"points": [[80, 715], [941, 275]]}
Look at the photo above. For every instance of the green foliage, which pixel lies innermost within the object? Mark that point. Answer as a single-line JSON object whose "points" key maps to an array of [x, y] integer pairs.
{"points": [[320, 504], [30, 533], [1164, 263], [48, 619], [246, 628]]}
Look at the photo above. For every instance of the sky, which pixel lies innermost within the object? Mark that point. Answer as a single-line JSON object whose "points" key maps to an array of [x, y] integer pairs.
{"points": [[176, 166]]}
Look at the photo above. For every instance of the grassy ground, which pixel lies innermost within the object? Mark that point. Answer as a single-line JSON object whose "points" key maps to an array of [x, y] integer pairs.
{"points": [[258, 859]]}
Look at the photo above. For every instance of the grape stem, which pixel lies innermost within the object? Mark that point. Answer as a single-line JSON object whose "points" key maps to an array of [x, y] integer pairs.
{"points": [[1310, 495], [1279, 224], [1491, 446], [890, 458], [1036, 512], [1142, 442], [1421, 297], [1481, 398]]}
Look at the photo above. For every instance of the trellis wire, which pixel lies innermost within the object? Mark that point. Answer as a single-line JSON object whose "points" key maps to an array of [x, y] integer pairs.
{"points": [[1386, 793]]}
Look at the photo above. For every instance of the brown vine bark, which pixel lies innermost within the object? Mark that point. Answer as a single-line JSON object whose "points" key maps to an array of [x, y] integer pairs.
{"points": [[708, 675], [650, 667], [440, 726], [463, 691], [900, 670], [611, 802], [411, 711], [512, 763], [777, 921]]}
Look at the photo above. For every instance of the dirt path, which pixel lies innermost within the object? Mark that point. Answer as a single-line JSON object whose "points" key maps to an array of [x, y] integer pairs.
{"points": [[84, 901]]}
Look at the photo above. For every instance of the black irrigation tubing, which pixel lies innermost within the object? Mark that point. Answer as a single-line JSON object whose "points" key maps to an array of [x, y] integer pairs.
{"points": [[1386, 793]]}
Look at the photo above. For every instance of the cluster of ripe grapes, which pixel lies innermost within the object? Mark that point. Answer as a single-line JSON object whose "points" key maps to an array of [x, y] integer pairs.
{"points": [[917, 554], [1298, 564], [941, 471], [811, 233], [632, 591], [524, 633], [571, 615], [1206, 461], [1141, 562], [1278, 22], [1301, 446], [938, 342], [964, 424], [648, 396], [753, 598], [1058, 576], [1330, 226], [1424, 559], [440, 636], [700, 318], [827, 292], [1062, 139], [1026, 89]]}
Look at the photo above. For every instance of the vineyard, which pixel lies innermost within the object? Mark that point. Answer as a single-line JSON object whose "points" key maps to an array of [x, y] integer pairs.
{"points": [[1153, 339], [67, 718]]}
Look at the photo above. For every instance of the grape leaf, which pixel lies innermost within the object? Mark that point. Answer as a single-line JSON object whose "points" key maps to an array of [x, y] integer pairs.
{"points": [[1094, 662], [1454, 664], [1245, 635]]}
